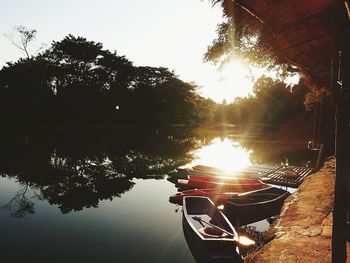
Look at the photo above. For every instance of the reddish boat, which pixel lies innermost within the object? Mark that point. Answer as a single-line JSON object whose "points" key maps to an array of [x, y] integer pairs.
{"points": [[209, 169], [223, 179], [183, 169], [235, 187], [216, 196], [212, 171]]}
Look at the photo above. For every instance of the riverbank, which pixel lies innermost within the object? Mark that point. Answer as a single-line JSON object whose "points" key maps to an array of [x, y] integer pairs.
{"points": [[303, 231]]}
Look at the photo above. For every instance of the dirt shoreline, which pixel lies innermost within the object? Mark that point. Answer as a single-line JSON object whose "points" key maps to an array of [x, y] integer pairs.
{"points": [[303, 231]]}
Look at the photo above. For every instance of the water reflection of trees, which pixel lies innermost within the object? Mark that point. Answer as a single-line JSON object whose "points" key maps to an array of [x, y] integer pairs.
{"points": [[258, 236], [20, 205], [272, 150], [75, 171], [78, 170]]}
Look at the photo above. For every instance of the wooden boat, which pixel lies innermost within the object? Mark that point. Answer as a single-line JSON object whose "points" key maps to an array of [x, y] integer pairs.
{"points": [[247, 208], [210, 169], [224, 179], [209, 234], [194, 171], [213, 171], [175, 175], [234, 187], [216, 196]]}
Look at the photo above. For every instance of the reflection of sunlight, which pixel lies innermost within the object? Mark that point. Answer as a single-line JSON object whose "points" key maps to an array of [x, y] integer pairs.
{"points": [[225, 154], [245, 241]]}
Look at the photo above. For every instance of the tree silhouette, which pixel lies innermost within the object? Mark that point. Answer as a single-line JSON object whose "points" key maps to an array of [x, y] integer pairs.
{"points": [[273, 104], [20, 205], [77, 82], [25, 37]]}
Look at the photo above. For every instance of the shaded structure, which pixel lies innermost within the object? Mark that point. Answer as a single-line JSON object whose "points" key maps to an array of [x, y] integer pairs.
{"points": [[312, 37]]}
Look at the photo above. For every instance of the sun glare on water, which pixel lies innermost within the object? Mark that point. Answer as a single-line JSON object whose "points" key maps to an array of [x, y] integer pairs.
{"points": [[224, 154]]}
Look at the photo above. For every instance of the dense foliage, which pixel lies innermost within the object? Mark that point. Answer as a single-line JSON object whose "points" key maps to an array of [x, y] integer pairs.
{"points": [[273, 103], [76, 81], [238, 42]]}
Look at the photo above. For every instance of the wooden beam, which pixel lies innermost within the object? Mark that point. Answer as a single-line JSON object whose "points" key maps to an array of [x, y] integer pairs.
{"points": [[341, 86], [305, 41], [347, 7]]}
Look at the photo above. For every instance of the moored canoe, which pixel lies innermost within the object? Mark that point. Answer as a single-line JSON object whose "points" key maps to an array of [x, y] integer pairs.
{"points": [[234, 187], [208, 232], [247, 208], [216, 196], [212, 171], [224, 179]]}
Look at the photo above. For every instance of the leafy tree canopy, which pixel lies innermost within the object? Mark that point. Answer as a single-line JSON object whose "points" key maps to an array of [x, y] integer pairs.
{"points": [[80, 82]]}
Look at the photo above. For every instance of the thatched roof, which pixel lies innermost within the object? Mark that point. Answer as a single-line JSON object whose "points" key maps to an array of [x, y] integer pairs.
{"points": [[305, 33]]}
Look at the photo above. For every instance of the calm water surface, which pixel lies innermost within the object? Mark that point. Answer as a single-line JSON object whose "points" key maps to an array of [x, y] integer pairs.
{"points": [[104, 197]]}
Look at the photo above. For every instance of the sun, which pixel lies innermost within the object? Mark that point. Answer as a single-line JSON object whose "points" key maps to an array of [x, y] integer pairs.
{"points": [[236, 79], [232, 81]]}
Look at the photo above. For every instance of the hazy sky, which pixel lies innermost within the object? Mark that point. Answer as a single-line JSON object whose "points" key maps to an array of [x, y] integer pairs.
{"points": [[168, 33]]}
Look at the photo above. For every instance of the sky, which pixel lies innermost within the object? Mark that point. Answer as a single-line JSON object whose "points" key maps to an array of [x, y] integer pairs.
{"points": [[167, 33]]}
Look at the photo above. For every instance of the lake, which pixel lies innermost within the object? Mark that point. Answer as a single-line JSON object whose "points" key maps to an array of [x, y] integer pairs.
{"points": [[103, 196]]}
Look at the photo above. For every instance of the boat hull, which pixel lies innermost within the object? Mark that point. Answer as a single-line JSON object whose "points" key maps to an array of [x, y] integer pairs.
{"points": [[239, 187], [208, 248], [202, 170], [246, 209], [216, 196], [212, 171], [224, 179], [209, 251]]}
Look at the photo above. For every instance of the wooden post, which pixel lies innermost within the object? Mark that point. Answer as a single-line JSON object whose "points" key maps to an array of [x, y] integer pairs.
{"points": [[342, 152], [319, 156]]}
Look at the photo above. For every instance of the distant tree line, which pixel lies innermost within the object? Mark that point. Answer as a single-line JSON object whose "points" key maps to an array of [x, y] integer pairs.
{"points": [[273, 103], [76, 81]]}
